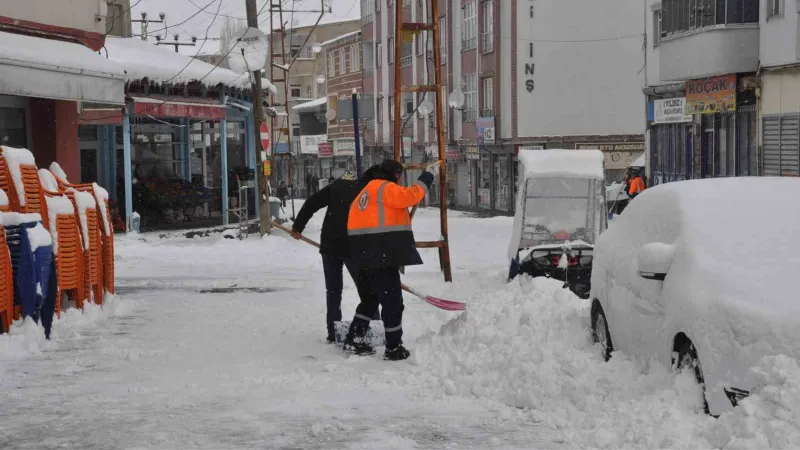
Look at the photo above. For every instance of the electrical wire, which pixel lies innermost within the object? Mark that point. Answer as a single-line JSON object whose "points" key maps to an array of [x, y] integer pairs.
{"points": [[197, 13], [115, 17]]}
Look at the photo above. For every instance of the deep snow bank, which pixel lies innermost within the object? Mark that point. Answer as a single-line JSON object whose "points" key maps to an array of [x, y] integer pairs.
{"points": [[527, 344]]}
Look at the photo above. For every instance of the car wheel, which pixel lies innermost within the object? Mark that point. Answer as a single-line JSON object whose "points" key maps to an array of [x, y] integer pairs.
{"points": [[600, 333], [685, 358]]}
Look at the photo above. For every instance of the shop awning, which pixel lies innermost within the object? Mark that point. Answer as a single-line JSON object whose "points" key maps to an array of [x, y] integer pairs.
{"points": [[46, 68], [195, 109], [322, 101]]}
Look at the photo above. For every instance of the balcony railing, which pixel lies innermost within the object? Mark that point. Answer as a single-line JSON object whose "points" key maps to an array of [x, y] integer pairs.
{"points": [[487, 42], [468, 44], [469, 115], [487, 112]]}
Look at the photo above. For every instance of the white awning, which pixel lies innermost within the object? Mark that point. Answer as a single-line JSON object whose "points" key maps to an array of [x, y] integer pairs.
{"points": [[322, 101], [46, 68]]}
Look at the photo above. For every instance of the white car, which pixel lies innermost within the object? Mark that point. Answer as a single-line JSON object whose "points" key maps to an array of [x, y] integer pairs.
{"points": [[703, 274]]}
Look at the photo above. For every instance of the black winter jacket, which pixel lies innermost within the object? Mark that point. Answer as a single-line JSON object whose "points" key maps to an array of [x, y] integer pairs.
{"points": [[337, 196]]}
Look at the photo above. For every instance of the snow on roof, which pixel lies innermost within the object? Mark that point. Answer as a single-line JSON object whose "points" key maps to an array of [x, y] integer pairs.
{"points": [[144, 60], [344, 36], [565, 163], [15, 157], [29, 51], [313, 103]]}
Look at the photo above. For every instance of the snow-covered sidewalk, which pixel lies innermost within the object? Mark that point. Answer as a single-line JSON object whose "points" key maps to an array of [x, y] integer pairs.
{"points": [[218, 343]]}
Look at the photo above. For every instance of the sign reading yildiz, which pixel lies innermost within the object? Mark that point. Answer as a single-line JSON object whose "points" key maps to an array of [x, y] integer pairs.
{"points": [[670, 110], [325, 150], [310, 144], [711, 95]]}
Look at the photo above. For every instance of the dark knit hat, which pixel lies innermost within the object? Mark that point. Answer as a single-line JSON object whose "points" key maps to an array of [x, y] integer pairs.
{"points": [[391, 167]]}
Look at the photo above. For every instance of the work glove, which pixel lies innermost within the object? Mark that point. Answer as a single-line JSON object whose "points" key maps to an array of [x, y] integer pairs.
{"points": [[427, 178]]}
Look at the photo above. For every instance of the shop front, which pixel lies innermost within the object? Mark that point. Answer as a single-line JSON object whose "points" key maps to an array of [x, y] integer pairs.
{"points": [[780, 121], [671, 139]]}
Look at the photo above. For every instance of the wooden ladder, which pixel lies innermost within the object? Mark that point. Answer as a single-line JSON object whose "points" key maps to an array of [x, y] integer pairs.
{"points": [[280, 76], [408, 30]]}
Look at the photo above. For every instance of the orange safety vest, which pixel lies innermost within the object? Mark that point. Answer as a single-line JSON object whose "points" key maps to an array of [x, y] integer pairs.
{"points": [[637, 186], [379, 226]]}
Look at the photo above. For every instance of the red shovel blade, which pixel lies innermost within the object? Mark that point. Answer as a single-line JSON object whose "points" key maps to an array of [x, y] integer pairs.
{"points": [[447, 305]]}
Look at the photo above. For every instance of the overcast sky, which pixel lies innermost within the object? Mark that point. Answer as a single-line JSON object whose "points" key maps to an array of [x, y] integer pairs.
{"points": [[185, 17]]}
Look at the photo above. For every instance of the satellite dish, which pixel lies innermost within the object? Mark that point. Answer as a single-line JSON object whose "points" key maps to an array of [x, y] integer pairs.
{"points": [[330, 115], [425, 108], [320, 79], [316, 48], [456, 99], [249, 52]]}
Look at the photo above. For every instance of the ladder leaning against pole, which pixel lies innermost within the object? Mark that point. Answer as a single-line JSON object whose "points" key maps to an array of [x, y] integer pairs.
{"points": [[410, 29]]}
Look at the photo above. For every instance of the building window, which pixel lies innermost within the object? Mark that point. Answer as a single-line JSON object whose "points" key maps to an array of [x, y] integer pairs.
{"points": [[656, 28], [408, 103], [12, 127], [487, 100], [295, 91], [378, 5], [379, 53], [331, 65], [421, 39], [391, 108], [469, 29], [406, 3], [774, 8], [342, 61], [368, 11], [379, 113], [443, 39], [391, 50], [296, 130], [408, 54], [355, 58], [679, 16], [487, 26], [470, 83]]}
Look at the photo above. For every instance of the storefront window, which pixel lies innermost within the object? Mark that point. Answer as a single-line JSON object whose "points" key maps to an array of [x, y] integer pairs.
{"points": [[747, 160], [12, 127], [484, 182], [670, 157], [501, 177]]}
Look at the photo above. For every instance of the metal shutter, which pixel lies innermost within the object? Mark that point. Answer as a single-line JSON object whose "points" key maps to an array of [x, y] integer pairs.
{"points": [[781, 145], [462, 184]]}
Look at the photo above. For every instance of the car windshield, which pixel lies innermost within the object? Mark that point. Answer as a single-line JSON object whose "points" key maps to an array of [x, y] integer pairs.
{"points": [[562, 209]]}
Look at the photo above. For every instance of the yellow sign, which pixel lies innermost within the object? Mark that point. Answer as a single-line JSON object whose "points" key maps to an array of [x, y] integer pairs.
{"points": [[267, 168]]}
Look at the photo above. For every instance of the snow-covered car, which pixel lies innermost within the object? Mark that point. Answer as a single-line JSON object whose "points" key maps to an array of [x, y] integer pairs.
{"points": [[702, 275], [561, 209]]}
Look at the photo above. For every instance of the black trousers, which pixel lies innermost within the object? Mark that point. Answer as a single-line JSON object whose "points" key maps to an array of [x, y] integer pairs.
{"points": [[333, 266], [381, 287]]}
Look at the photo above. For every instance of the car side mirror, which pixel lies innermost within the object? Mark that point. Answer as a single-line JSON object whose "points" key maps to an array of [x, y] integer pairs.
{"points": [[655, 260]]}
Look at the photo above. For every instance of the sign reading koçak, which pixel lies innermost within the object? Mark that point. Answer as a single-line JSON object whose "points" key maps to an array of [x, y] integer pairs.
{"points": [[670, 110]]}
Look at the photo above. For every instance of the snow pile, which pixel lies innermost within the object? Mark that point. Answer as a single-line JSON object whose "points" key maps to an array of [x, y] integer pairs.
{"points": [[16, 157], [58, 55], [101, 195], [39, 237], [3, 198], [142, 59], [561, 163], [84, 201], [57, 205], [56, 169], [26, 337], [770, 418], [48, 181]]}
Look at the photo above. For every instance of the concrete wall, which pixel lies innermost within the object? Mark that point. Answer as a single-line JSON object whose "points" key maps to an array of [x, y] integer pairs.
{"points": [[709, 52], [588, 68], [780, 92], [778, 43], [86, 15]]}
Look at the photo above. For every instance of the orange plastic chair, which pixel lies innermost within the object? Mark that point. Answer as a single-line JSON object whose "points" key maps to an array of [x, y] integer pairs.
{"points": [[103, 223], [6, 284], [68, 248], [27, 175], [92, 245]]}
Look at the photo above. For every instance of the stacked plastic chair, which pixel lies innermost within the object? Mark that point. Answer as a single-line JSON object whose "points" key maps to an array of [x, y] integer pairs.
{"points": [[67, 242], [6, 273], [103, 223], [29, 243]]}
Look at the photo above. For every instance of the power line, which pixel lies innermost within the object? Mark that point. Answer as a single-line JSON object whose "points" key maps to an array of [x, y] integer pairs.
{"points": [[115, 17], [203, 9]]}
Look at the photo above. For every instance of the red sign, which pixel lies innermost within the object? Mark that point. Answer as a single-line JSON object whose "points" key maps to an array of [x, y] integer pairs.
{"points": [[325, 150], [264, 136], [163, 108], [711, 95]]}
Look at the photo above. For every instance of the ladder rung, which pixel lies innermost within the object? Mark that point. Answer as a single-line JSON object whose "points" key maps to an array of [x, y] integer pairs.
{"points": [[420, 88], [432, 244], [416, 26]]}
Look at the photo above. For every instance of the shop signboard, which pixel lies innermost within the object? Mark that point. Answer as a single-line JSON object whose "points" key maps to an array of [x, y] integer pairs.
{"points": [[711, 95], [616, 155], [281, 147], [485, 126], [670, 110], [473, 153], [267, 168], [452, 153], [309, 145], [325, 150]]}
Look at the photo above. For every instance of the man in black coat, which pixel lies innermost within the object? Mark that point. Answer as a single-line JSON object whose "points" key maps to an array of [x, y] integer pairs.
{"points": [[334, 244]]}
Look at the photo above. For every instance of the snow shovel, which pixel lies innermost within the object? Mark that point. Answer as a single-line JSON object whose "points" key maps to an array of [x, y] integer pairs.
{"points": [[447, 305]]}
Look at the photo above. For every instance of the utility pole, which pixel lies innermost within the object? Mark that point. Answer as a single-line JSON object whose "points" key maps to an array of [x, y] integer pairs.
{"points": [[177, 43], [265, 222], [145, 22]]}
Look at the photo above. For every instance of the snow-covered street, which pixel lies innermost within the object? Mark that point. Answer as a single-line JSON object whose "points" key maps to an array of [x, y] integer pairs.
{"points": [[217, 343]]}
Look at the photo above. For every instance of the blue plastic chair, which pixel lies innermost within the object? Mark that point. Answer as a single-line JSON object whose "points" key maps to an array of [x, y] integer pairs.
{"points": [[31, 269]]}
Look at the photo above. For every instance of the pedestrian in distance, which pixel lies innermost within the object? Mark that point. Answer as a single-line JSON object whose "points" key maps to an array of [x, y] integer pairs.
{"points": [[381, 241], [283, 192], [334, 245]]}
